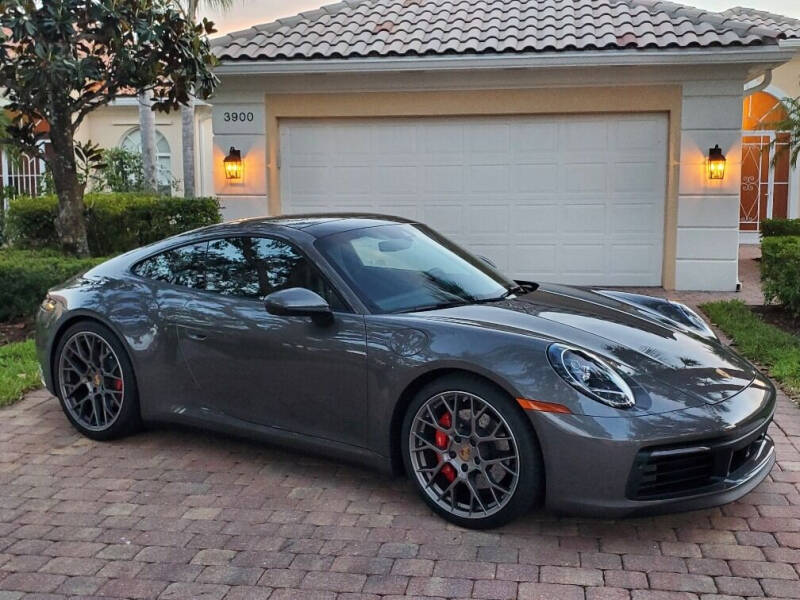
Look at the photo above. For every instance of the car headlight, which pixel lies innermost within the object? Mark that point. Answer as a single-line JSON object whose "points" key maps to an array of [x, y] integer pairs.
{"points": [[591, 375], [692, 319]]}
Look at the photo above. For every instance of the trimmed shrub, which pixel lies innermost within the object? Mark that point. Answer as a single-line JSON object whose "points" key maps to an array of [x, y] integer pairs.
{"points": [[780, 271], [116, 222], [26, 275], [776, 227]]}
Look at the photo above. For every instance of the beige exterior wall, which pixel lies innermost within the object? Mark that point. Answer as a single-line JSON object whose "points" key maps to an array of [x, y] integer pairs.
{"points": [[701, 217], [108, 125]]}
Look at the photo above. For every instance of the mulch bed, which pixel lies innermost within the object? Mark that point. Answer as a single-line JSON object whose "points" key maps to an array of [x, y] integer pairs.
{"points": [[16, 331], [778, 316]]}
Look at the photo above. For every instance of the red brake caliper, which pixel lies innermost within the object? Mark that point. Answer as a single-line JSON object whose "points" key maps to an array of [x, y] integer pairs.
{"points": [[118, 385], [441, 439]]}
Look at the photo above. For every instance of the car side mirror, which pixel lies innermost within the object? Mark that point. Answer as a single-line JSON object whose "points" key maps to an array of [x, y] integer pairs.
{"points": [[298, 302]]}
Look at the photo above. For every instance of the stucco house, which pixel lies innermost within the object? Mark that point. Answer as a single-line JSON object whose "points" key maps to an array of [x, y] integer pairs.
{"points": [[116, 125], [768, 192], [566, 141]]}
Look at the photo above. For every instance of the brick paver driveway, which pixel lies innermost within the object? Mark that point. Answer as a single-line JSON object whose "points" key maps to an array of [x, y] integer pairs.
{"points": [[178, 514], [181, 514]]}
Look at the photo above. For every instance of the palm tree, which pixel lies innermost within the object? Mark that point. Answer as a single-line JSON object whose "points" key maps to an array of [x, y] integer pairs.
{"points": [[791, 124], [187, 110], [147, 129]]}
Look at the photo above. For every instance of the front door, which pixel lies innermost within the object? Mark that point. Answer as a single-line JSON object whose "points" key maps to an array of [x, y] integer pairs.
{"points": [[765, 178], [286, 372]]}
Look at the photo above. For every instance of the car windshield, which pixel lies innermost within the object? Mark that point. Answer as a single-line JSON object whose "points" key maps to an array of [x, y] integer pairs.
{"points": [[404, 268]]}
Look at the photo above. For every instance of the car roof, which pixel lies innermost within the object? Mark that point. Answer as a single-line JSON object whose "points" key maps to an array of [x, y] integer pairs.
{"points": [[317, 225]]}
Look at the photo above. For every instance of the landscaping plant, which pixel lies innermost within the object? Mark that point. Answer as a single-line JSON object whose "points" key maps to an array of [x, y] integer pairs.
{"points": [[780, 271], [59, 61], [775, 227], [767, 345], [115, 222], [19, 371], [27, 275]]}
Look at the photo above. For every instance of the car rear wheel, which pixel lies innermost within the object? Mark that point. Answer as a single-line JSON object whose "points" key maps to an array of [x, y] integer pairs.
{"points": [[470, 452], [95, 382]]}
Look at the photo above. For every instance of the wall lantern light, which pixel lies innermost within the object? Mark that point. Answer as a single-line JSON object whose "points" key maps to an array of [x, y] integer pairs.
{"points": [[716, 163], [233, 164]]}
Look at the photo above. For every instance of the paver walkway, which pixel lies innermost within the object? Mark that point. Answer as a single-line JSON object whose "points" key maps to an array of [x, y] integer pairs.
{"points": [[178, 514]]}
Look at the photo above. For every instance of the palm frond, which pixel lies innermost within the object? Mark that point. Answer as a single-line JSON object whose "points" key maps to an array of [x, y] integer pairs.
{"points": [[790, 124]]}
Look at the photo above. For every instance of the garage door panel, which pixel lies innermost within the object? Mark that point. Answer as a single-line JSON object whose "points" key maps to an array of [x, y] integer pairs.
{"points": [[306, 180], [540, 178], [633, 218], [634, 134], [583, 218], [446, 219], [535, 219], [443, 179], [573, 199], [585, 177], [533, 139], [633, 259], [635, 176], [488, 219], [488, 178], [488, 138], [582, 135]]}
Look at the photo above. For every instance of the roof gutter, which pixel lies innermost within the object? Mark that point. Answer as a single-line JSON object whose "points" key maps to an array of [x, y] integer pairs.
{"points": [[695, 56], [751, 88]]}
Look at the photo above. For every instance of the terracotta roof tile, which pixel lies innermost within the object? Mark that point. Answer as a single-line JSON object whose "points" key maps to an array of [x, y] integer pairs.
{"points": [[361, 28], [789, 26]]}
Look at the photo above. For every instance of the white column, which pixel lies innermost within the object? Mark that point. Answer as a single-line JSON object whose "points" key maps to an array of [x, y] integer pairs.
{"points": [[707, 253], [239, 120]]}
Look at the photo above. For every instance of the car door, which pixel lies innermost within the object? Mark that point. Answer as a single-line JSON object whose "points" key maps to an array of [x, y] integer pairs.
{"points": [[287, 372], [171, 278]]}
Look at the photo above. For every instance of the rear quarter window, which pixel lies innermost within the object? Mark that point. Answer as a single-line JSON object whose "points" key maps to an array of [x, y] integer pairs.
{"points": [[178, 266]]}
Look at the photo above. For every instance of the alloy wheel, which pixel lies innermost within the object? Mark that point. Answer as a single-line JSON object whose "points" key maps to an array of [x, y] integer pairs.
{"points": [[464, 454], [91, 380]]}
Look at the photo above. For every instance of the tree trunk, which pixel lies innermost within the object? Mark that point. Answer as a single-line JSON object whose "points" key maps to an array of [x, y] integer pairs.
{"points": [[187, 142], [71, 222], [147, 128]]}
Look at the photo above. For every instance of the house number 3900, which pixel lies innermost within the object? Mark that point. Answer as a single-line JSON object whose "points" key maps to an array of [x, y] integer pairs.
{"points": [[238, 116]]}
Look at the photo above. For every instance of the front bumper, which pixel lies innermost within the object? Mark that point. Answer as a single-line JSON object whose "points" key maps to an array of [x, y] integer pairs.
{"points": [[595, 465]]}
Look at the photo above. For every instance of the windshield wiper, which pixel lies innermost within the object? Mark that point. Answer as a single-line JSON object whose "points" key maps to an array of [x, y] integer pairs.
{"points": [[438, 306]]}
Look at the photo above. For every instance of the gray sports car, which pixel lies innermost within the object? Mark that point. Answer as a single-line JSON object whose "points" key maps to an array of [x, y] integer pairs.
{"points": [[375, 339]]}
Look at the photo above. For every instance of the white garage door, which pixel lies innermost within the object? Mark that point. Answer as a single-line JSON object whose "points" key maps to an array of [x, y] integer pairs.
{"points": [[572, 199]]}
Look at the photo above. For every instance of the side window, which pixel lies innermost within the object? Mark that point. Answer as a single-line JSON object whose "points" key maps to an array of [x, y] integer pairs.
{"points": [[180, 266], [254, 267]]}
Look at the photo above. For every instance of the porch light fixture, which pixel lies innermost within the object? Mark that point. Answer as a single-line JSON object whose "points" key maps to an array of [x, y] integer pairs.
{"points": [[233, 164], [716, 163]]}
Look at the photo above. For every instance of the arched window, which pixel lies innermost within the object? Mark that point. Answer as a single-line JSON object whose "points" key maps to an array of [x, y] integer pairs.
{"points": [[132, 142]]}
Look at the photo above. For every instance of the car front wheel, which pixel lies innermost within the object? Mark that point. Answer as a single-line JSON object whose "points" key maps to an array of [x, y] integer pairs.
{"points": [[95, 382], [470, 452]]}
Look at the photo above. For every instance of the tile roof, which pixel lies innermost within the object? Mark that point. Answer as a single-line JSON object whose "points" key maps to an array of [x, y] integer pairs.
{"points": [[362, 28], [762, 18]]}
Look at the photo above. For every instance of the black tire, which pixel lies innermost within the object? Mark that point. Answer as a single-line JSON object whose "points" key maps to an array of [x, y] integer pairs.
{"points": [[529, 488], [128, 417]]}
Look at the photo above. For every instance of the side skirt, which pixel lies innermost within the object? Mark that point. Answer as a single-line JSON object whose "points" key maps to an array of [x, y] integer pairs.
{"points": [[325, 448]]}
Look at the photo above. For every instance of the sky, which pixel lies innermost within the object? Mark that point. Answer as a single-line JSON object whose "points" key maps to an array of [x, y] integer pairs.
{"points": [[245, 13]]}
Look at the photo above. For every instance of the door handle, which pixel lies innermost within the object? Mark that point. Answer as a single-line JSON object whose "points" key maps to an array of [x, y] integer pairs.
{"points": [[199, 337]]}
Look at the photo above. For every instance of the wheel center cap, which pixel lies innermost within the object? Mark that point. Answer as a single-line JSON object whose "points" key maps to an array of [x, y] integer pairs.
{"points": [[97, 380], [464, 453]]}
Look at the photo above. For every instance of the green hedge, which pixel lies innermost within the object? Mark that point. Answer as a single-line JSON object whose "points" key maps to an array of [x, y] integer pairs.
{"points": [[780, 271], [777, 227], [115, 222], [26, 275]]}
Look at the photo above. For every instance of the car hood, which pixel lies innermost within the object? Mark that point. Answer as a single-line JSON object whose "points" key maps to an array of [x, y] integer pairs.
{"points": [[641, 342]]}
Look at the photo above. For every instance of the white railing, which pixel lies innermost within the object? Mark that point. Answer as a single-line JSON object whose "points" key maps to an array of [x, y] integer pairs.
{"points": [[22, 174]]}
